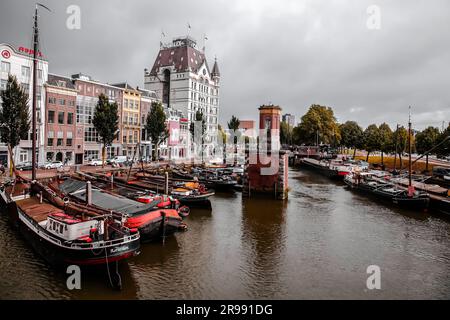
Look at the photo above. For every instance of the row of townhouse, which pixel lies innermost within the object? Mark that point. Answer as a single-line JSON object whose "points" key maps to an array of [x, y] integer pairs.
{"points": [[66, 106]]}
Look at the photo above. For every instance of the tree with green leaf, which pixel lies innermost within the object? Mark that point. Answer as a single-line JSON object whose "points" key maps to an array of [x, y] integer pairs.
{"points": [[233, 126], [444, 149], [222, 137], [106, 122], [400, 143], [351, 135], [199, 118], [14, 117], [371, 138], [286, 132], [425, 140], [386, 136], [234, 123], [317, 125], [156, 127]]}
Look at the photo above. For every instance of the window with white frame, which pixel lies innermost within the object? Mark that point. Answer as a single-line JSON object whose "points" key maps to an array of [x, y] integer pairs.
{"points": [[6, 67], [23, 156], [25, 87], [90, 135], [25, 71], [3, 84]]}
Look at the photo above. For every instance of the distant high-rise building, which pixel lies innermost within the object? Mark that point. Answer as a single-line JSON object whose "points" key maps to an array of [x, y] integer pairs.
{"points": [[289, 119]]}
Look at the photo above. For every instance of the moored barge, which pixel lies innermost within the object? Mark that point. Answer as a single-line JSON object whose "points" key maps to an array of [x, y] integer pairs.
{"points": [[65, 234], [373, 183], [153, 223]]}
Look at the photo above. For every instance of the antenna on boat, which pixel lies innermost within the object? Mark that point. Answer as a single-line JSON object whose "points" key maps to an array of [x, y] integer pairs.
{"points": [[35, 54], [410, 186], [396, 149]]}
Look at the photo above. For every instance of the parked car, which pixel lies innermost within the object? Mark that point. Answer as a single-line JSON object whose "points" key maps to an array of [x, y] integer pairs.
{"points": [[127, 163], [53, 165], [119, 159], [95, 162], [24, 166]]}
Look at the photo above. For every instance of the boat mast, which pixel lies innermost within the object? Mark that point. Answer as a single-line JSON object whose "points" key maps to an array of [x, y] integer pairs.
{"points": [[33, 120], [34, 102], [409, 148], [396, 149]]}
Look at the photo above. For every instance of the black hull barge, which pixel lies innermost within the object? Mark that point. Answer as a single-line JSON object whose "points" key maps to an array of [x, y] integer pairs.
{"points": [[368, 183], [322, 167], [64, 238], [153, 223]]}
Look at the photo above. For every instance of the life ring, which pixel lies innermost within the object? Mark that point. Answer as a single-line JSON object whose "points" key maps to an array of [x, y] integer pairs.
{"points": [[184, 211]]}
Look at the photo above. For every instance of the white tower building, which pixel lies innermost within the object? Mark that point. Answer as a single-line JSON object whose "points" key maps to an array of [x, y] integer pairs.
{"points": [[182, 79]]}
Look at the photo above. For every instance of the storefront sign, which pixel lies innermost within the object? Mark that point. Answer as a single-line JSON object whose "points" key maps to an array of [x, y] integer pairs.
{"points": [[29, 51], [6, 54]]}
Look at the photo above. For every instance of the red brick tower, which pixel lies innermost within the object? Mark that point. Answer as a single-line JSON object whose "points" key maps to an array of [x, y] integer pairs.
{"points": [[266, 167]]}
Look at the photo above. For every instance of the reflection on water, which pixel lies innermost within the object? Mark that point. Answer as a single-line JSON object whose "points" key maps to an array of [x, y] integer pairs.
{"points": [[317, 244], [263, 235]]}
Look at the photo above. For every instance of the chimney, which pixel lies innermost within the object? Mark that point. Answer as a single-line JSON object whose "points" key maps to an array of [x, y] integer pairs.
{"points": [[88, 193]]}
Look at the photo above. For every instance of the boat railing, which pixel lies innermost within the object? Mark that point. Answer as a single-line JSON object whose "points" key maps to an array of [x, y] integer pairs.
{"points": [[394, 186], [108, 243], [44, 234]]}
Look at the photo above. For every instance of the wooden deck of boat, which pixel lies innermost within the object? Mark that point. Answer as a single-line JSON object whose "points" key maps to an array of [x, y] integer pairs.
{"points": [[432, 189], [18, 189], [36, 210]]}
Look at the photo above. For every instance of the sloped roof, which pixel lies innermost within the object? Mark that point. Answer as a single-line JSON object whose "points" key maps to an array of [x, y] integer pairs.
{"points": [[215, 70], [60, 81], [183, 58], [123, 85], [148, 93]]}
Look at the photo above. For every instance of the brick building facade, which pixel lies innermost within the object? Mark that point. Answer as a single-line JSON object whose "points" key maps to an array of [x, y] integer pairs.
{"points": [[61, 140], [88, 91]]}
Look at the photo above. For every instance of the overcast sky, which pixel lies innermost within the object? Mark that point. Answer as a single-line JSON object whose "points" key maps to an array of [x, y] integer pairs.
{"points": [[291, 53]]}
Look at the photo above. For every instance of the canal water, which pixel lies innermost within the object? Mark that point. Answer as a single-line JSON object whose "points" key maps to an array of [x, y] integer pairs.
{"points": [[316, 245]]}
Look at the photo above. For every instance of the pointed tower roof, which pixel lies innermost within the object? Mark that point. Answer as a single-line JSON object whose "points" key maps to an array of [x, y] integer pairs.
{"points": [[215, 70], [182, 55]]}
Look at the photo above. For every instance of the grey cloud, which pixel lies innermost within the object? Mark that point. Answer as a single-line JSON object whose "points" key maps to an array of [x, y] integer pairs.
{"points": [[293, 53]]}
